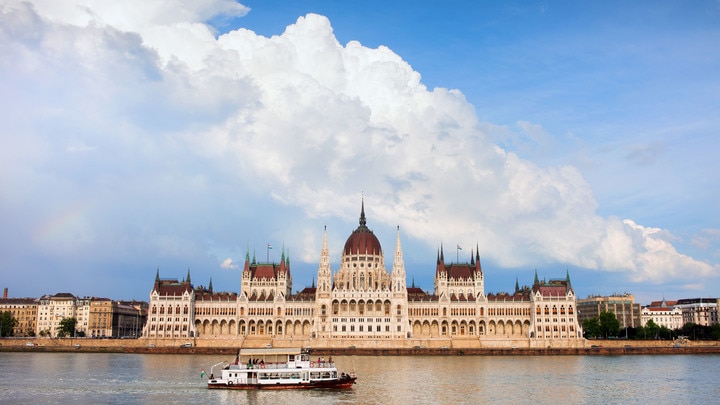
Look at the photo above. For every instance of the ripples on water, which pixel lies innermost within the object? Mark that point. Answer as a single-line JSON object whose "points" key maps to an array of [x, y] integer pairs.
{"points": [[95, 378]]}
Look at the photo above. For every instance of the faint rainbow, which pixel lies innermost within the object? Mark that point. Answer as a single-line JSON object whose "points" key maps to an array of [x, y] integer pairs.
{"points": [[55, 226]]}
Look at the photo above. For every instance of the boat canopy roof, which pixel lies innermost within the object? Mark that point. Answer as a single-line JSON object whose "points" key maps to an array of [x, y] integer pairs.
{"points": [[279, 351]]}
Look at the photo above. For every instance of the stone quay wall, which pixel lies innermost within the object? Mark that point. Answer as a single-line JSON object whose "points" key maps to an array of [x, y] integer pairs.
{"points": [[364, 347]]}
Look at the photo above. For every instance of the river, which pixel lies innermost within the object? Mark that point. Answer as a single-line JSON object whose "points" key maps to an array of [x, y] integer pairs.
{"points": [[112, 378]]}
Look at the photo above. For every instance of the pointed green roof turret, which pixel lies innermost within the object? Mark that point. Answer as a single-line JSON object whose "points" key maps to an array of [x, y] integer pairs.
{"points": [[188, 276], [157, 274], [537, 281]]}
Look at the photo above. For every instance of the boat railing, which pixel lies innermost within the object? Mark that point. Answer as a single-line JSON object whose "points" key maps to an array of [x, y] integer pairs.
{"points": [[257, 366], [270, 365], [321, 364]]}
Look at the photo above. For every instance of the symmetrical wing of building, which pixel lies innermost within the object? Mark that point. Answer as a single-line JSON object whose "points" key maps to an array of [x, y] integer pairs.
{"points": [[362, 302]]}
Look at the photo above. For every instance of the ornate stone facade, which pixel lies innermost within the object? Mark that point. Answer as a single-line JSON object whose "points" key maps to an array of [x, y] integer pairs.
{"points": [[362, 302], [54, 308]]}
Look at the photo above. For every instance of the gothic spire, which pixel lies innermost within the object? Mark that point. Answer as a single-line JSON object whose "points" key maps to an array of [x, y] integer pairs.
{"points": [[398, 249], [362, 214]]}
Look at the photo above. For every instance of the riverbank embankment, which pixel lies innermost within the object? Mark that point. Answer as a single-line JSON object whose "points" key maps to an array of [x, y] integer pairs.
{"points": [[143, 346]]}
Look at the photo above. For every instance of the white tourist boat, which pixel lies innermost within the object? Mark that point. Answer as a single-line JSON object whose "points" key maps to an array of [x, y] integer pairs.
{"points": [[277, 368]]}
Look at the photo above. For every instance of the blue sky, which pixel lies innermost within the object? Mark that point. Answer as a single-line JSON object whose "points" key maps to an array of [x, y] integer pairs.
{"points": [[557, 136]]}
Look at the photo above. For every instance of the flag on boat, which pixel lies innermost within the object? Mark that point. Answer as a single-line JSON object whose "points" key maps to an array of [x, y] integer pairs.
{"points": [[202, 373], [459, 248]]}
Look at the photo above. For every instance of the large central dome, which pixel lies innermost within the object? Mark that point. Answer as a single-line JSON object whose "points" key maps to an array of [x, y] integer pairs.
{"points": [[362, 240]]}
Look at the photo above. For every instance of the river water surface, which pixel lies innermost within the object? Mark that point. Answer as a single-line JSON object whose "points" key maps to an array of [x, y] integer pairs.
{"points": [[100, 378]]}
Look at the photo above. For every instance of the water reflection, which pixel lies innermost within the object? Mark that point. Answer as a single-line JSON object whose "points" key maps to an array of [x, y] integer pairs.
{"points": [[175, 379]]}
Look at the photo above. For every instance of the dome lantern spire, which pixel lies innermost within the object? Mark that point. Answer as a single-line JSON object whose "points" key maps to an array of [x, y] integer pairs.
{"points": [[362, 214]]}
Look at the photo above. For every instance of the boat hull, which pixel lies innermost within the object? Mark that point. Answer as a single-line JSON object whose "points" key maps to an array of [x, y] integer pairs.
{"points": [[343, 383]]}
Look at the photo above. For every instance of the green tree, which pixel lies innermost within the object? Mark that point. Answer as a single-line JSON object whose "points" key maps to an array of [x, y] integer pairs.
{"points": [[665, 333], [591, 327], [609, 325], [67, 327], [715, 331], [652, 329], [7, 323]]}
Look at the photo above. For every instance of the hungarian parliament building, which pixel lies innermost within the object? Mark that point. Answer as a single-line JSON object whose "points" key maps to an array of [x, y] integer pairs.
{"points": [[362, 304]]}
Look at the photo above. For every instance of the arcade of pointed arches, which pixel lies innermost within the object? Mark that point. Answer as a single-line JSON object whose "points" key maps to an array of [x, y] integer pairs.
{"points": [[345, 307], [470, 327], [220, 327]]}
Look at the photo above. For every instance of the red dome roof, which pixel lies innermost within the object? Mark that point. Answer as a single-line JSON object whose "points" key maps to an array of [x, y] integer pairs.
{"points": [[362, 240]]}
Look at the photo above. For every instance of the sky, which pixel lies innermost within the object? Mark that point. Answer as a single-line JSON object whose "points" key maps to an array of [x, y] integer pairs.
{"points": [[548, 136]]}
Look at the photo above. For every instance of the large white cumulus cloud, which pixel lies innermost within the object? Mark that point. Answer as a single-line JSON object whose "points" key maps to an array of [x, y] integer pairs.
{"points": [[142, 101]]}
